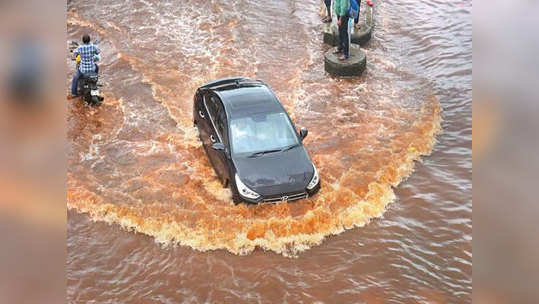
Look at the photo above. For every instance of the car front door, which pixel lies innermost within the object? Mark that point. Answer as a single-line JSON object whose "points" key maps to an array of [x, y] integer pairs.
{"points": [[222, 129], [214, 135]]}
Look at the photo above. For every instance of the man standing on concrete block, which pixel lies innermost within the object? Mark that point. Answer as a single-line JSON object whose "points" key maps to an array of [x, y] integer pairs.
{"points": [[341, 9], [327, 19], [356, 20]]}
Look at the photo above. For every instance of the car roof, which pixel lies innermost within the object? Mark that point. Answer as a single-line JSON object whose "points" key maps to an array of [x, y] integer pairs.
{"points": [[243, 97]]}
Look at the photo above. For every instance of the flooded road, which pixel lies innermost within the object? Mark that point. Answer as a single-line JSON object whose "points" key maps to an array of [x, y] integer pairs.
{"points": [[148, 220]]}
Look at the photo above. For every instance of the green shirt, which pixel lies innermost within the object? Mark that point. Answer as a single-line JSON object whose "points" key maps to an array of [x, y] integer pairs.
{"points": [[341, 7]]}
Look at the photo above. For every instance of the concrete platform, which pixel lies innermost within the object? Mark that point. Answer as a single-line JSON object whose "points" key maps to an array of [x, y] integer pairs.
{"points": [[353, 66]]}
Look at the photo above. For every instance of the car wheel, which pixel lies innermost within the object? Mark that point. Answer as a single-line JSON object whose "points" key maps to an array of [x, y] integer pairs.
{"points": [[198, 131], [235, 194]]}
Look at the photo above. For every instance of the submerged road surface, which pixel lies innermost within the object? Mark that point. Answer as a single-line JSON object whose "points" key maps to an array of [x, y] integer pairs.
{"points": [[139, 182]]}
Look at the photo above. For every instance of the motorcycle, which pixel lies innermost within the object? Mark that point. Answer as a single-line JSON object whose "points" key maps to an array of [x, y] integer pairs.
{"points": [[88, 86]]}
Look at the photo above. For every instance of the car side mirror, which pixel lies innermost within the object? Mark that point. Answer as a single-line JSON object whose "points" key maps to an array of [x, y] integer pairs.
{"points": [[303, 133], [218, 146]]}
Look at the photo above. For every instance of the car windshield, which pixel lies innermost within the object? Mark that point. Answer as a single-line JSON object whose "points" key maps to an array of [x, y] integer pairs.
{"points": [[262, 132]]}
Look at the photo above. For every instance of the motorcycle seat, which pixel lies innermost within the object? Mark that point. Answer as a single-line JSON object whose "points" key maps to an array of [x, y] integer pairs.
{"points": [[90, 75]]}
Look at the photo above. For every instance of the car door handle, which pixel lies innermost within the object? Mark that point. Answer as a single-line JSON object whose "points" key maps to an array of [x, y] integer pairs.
{"points": [[201, 114], [212, 138]]}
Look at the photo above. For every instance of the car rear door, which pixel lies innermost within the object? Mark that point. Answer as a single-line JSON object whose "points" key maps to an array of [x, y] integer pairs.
{"points": [[203, 121]]}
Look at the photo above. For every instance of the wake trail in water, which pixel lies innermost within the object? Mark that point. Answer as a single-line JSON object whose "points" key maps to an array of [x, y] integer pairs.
{"points": [[137, 161]]}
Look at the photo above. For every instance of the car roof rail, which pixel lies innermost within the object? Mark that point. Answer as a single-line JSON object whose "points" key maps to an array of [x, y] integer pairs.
{"points": [[232, 83], [222, 82], [249, 82]]}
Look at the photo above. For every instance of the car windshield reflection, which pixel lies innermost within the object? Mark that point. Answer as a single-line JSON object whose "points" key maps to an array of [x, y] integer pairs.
{"points": [[262, 132]]}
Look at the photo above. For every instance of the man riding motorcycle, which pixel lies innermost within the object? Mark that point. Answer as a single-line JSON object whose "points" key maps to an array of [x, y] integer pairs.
{"points": [[89, 54]]}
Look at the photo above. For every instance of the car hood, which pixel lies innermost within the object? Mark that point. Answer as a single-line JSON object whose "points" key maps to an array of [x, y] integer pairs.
{"points": [[276, 173]]}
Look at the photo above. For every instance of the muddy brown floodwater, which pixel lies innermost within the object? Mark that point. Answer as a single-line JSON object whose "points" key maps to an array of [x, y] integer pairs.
{"points": [[148, 220]]}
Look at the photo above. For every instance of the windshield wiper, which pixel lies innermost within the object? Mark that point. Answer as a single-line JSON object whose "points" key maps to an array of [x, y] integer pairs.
{"points": [[256, 154], [289, 147]]}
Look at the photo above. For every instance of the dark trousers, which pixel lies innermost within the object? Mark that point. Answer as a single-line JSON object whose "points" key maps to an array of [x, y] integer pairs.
{"points": [[75, 82], [344, 41], [328, 6], [356, 20]]}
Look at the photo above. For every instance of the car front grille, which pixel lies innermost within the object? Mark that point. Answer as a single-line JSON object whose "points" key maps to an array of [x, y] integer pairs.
{"points": [[286, 197]]}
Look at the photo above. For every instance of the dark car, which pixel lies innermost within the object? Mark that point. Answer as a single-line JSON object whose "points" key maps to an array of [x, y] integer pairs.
{"points": [[251, 142]]}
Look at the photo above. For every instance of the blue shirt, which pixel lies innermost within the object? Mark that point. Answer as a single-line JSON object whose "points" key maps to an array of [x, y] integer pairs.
{"points": [[89, 53]]}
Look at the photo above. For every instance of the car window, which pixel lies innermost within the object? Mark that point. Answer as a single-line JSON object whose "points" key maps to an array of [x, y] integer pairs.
{"points": [[221, 123], [217, 117], [261, 132], [211, 106]]}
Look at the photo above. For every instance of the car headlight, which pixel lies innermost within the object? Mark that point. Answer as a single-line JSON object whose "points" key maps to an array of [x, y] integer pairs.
{"points": [[244, 191], [314, 180]]}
